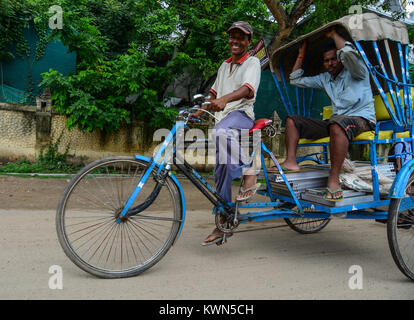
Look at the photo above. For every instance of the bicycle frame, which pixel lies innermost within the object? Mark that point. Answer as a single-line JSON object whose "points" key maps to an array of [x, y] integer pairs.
{"points": [[162, 166]]}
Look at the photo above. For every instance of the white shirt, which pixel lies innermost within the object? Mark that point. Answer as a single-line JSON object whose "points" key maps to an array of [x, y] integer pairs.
{"points": [[246, 72]]}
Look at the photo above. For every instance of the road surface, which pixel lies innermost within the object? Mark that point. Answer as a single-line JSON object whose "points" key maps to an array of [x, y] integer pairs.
{"points": [[269, 264]]}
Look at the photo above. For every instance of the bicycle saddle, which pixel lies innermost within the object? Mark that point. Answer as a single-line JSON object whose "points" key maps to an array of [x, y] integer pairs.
{"points": [[260, 124]]}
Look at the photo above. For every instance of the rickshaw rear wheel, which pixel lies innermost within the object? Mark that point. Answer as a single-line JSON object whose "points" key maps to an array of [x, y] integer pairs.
{"points": [[306, 226], [400, 231]]}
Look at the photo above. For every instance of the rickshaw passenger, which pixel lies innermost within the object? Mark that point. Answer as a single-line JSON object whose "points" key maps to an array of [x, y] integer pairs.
{"points": [[232, 97], [347, 83]]}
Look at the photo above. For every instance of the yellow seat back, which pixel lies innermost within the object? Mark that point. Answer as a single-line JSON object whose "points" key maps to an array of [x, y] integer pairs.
{"points": [[380, 109], [327, 112]]}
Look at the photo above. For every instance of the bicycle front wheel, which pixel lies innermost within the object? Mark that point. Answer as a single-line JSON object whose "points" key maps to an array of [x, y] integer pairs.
{"points": [[99, 243]]}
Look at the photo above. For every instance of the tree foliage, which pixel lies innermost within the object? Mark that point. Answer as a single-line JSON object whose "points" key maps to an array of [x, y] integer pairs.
{"points": [[130, 52]]}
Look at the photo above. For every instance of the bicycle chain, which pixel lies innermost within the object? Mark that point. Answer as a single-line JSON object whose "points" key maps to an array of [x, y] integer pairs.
{"points": [[232, 227], [263, 228]]}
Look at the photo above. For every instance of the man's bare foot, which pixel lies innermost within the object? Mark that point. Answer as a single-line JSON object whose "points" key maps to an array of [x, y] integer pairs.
{"points": [[215, 237], [334, 194], [290, 165], [248, 182], [216, 234], [249, 188], [285, 166], [334, 191]]}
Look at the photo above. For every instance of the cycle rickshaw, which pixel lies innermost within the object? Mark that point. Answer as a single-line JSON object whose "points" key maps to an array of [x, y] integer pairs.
{"points": [[119, 216]]}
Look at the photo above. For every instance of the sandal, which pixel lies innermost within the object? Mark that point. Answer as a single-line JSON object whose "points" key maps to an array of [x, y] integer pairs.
{"points": [[218, 240], [332, 193], [253, 188]]}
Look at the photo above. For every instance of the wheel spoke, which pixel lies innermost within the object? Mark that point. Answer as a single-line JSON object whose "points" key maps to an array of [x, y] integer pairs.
{"points": [[90, 233], [307, 225]]}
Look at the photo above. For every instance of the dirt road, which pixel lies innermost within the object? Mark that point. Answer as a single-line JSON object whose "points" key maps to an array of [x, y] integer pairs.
{"points": [[270, 264]]}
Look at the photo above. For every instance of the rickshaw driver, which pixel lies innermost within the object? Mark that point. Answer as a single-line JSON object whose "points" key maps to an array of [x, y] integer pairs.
{"points": [[232, 97], [347, 83]]}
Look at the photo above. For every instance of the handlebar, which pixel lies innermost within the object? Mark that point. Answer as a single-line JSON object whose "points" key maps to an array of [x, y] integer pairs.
{"points": [[199, 100], [195, 119]]}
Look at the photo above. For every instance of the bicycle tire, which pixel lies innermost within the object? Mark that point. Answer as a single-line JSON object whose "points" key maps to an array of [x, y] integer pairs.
{"points": [[307, 226], [400, 226], [84, 212]]}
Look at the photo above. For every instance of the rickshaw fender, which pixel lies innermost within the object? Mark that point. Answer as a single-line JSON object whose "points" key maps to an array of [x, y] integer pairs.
{"points": [[398, 186], [180, 190]]}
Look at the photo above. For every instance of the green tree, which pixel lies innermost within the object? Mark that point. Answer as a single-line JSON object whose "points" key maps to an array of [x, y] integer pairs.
{"points": [[130, 52]]}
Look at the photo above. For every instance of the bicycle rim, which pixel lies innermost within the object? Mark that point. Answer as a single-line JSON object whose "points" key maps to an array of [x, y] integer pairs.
{"points": [[87, 219], [400, 231]]}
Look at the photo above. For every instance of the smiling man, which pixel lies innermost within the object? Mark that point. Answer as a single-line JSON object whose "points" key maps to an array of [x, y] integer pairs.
{"points": [[232, 97], [347, 83]]}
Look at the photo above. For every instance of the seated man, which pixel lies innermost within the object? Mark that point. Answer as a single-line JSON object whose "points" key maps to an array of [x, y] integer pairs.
{"points": [[232, 97], [347, 83]]}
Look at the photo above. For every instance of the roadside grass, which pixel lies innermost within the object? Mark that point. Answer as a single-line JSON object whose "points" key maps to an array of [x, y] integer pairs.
{"points": [[25, 166], [50, 161], [37, 176]]}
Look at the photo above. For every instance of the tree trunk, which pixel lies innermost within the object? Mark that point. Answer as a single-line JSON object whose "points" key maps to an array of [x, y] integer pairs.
{"points": [[286, 20]]}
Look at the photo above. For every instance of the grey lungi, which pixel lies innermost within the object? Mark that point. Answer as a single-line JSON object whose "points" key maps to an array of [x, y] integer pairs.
{"points": [[231, 161]]}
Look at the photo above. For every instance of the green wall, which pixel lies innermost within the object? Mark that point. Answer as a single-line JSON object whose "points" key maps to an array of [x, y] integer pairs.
{"points": [[268, 99], [23, 74]]}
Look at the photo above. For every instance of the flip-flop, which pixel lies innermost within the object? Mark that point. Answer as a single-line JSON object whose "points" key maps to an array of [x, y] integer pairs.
{"points": [[218, 241], [332, 195], [285, 170], [253, 188]]}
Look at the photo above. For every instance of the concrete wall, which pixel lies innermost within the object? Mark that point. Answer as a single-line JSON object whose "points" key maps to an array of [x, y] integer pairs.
{"points": [[24, 130], [17, 132]]}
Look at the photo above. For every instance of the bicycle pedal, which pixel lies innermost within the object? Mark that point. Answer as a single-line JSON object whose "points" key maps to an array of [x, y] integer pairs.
{"points": [[223, 241]]}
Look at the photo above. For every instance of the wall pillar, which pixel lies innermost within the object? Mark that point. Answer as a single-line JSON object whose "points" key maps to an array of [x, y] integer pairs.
{"points": [[43, 118]]}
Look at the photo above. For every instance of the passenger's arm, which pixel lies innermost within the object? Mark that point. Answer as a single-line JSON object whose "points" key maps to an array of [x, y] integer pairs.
{"points": [[348, 56], [296, 77], [301, 57], [339, 41]]}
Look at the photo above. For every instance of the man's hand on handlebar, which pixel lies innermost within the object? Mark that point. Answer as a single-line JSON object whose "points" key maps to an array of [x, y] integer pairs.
{"points": [[194, 116], [218, 104]]}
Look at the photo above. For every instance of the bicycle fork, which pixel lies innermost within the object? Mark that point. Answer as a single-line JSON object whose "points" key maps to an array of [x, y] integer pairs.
{"points": [[151, 165], [123, 214]]}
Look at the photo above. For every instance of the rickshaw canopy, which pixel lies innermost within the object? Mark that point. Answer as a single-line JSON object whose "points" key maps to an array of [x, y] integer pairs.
{"points": [[357, 27]]}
